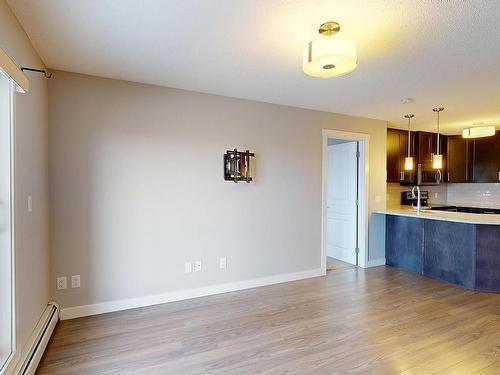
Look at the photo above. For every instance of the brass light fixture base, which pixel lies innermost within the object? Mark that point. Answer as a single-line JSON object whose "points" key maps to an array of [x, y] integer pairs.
{"points": [[329, 28], [409, 116], [439, 109]]}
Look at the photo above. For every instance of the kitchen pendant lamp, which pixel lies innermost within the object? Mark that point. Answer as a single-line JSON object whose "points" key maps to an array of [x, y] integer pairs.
{"points": [[329, 55], [409, 160], [478, 132], [437, 158]]}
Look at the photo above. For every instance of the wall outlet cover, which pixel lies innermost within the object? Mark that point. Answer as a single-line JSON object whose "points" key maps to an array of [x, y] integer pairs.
{"points": [[188, 267], [62, 283], [223, 263], [75, 281], [197, 266]]}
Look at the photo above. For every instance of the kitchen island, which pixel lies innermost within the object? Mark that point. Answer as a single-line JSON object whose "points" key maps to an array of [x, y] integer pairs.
{"points": [[459, 248]]}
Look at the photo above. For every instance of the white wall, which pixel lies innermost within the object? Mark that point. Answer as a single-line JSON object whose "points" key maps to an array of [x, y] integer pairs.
{"points": [[31, 178], [137, 189]]}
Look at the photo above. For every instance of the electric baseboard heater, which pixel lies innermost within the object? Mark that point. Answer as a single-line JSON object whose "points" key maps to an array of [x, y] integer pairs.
{"points": [[38, 341]]}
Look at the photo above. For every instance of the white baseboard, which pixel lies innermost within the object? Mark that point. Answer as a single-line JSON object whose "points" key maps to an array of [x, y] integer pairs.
{"points": [[376, 263], [131, 303]]}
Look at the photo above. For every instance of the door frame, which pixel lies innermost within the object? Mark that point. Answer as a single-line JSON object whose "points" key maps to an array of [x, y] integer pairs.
{"points": [[363, 170]]}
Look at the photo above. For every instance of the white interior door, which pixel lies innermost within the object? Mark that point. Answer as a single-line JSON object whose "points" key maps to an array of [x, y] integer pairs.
{"points": [[6, 291], [341, 205]]}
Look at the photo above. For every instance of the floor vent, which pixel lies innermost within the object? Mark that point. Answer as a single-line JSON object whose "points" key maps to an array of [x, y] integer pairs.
{"points": [[38, 341]]}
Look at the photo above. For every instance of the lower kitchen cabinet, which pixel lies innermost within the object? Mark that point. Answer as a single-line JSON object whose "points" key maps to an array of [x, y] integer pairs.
{"points": [[404, 238], [448, 253], [467, 255]]}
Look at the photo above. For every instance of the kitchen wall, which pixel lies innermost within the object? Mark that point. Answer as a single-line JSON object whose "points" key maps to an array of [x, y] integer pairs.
{"points": [[31, 178], [437, 194], [474, 195], [468, 195], [137, 188]]}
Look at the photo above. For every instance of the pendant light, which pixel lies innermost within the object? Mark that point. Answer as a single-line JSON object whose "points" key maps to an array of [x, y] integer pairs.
{"points": [[329, 55], [409, 159], [437, 158]]}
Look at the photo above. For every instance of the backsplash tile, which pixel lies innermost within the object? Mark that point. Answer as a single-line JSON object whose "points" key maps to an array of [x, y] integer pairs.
{"points": [[474, 195], [437, 194], [467, 195]]}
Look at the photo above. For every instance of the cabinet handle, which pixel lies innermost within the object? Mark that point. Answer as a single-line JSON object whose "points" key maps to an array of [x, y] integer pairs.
{"points": [[448, 176]]}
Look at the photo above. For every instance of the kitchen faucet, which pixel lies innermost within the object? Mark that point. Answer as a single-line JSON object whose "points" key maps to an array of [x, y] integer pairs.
{"points": [[418, 197]]}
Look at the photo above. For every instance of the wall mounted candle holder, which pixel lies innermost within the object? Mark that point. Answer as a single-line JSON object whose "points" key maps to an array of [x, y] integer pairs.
{"points": [[238, 165]]}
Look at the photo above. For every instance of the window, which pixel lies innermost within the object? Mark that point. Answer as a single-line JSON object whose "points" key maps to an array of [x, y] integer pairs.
{"points": [[6, 254]]}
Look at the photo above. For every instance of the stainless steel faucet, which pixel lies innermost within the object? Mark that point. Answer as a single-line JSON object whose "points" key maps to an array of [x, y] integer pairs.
{"points": [[418, 198]]}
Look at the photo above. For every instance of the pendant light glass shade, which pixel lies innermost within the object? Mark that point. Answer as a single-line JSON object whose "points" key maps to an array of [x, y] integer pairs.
{"points": [[479, 132], [409, 165], [437, 161], [328, 55]]}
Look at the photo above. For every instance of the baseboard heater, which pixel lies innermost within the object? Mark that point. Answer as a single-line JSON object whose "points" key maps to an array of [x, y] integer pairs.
{"points": [[32, 354]]}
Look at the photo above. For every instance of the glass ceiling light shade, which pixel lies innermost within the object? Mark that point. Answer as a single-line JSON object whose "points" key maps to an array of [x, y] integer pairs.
{"points": [[478, 132], [329, 56], [409, 160], [437, 158]]}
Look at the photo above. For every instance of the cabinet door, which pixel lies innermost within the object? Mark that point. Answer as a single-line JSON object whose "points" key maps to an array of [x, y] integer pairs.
{"points": [[458, 156], [393, 160], [485, 159]]}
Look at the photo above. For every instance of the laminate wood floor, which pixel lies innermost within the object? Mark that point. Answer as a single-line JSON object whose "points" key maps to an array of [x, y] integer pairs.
{"points": [[353, 321], [333, 264]]}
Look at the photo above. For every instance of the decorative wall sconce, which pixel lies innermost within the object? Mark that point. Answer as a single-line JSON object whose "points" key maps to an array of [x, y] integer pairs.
{"points": [[238, 165]]}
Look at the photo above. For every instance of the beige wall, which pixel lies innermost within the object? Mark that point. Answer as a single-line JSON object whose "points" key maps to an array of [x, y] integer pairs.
{"points": [[31, 178], [137, 189]]}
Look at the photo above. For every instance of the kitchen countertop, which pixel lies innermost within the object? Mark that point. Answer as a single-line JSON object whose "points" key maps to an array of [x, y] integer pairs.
{"points": [[459, 217]]}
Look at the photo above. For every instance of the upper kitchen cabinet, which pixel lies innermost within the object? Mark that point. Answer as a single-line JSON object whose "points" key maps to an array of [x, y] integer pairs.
{"points": [[485, 159], [458, 159], [397, 148], [426, 146]]}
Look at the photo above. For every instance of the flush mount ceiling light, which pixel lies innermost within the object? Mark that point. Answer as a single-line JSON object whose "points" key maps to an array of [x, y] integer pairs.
{"points": [[478, 132], [329, 55]]}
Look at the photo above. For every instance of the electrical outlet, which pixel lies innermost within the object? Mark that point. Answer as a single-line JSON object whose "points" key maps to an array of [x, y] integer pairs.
{"points": [[62, 283], [223, 263], [30, 203], [197, 266], [188, 267], [75, 281], [435, 195]]}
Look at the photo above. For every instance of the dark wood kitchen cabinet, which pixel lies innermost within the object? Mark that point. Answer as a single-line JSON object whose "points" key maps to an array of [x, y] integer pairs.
{"points": [[458, 159], [397, 149], [485, 159], [426, 146]]}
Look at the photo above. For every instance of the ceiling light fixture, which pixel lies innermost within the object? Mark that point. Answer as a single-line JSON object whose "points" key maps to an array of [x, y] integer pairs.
{"points": [[409, 159], [437, 158], [478, 132], [329, 56]]}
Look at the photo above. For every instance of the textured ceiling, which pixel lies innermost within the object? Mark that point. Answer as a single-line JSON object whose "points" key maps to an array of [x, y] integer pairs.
{"points": [[435, 52]]}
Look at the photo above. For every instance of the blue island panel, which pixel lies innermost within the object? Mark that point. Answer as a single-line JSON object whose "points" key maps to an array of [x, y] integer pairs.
{"points": [[404, 247], [450, 252], [488, 258]]}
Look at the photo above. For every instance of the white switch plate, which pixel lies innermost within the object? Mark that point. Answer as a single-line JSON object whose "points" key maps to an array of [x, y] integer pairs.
{"points": [[197, 266], [223, 263], [188, 267], [62, 283], [75, 281], [30, 203]]}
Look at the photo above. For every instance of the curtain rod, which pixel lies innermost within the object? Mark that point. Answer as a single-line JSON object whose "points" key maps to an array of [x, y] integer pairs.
{"points": [[45, 73]]}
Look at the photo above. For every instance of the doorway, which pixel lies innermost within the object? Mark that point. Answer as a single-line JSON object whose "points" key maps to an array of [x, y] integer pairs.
{"points": [[344, 208]]}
